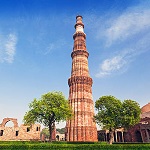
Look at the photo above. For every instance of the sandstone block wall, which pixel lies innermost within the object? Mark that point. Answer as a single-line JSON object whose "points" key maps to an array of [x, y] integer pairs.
{"points": [[19, 133]]}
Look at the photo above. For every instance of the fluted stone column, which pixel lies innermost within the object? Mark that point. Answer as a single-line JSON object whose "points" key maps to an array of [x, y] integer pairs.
{"points": [[82, 127]]}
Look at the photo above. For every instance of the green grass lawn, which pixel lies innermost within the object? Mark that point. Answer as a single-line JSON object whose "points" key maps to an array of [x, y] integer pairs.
{"points": [[24, 145]]}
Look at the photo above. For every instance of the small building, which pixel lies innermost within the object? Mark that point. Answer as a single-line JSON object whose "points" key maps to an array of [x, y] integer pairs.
{"points": [[141, 131], [16, 133], [103, 135], [138, 133], [59, 136]]}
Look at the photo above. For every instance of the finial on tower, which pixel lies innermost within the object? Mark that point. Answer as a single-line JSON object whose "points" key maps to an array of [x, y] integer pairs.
{"points": [[79, 16], [79, 25]]}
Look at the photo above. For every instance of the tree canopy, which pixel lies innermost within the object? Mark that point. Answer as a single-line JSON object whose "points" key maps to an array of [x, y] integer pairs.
{"points": [[50, 108], [61, 131], [114, 114], [45, 131]]}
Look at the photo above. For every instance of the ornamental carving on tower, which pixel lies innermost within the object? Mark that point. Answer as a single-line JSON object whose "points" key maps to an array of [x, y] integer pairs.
{"points": [[82, 127]]}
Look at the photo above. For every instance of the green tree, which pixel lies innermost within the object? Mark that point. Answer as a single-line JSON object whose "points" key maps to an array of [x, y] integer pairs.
{"points": [[45, 131], [61, 131], [114, 114], [131, 113], [50, 108]]}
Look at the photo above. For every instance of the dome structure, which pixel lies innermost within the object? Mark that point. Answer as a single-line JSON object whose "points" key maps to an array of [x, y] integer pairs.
{"points": [[145, 108]]}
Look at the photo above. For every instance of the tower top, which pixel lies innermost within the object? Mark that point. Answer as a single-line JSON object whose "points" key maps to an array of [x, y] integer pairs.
{"points": [[79, 24], [79, 16]]}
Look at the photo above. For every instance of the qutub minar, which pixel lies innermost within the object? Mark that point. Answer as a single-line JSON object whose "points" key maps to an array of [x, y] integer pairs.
{"points": [[82, 127]]}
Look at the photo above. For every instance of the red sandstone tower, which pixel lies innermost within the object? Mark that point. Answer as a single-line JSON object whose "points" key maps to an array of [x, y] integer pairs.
{"points": [[82, 127]]}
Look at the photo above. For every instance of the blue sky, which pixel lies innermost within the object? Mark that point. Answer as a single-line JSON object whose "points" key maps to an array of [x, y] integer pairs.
{"points": [[36, 43]]}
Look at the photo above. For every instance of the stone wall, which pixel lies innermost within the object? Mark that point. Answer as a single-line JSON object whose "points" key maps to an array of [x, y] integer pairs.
{"points": [[18, 133]]}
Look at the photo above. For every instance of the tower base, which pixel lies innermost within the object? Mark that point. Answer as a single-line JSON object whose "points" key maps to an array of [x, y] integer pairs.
{"points": [[83, 134]]}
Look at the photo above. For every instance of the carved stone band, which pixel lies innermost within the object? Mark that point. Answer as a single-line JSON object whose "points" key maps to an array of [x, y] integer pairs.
{"points": [[80, 80], [79, 34], [85, 100], [79, 52]]}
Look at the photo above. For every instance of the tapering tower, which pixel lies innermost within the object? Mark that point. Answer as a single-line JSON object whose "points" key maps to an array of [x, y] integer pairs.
{"points": [[82, 127]]}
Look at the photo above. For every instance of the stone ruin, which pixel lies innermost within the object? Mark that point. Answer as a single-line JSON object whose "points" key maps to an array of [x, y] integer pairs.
{"points": [[16, 133]]}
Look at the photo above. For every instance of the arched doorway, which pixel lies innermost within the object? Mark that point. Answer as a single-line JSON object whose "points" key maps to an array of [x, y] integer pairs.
{"points": [[138, 136], [57, 137], [9, 124], [7, 120]]}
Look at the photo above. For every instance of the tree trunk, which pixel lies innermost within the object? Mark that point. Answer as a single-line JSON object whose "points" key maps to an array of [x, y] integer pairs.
{"points": [[51, 122], [50, 133], [111, 136]]}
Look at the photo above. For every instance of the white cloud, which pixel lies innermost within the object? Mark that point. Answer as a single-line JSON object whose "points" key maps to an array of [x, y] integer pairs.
{"points": [[54, 46], [49, 48], [8, 48], [112, 65], [128, 24], [130, 32]]}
